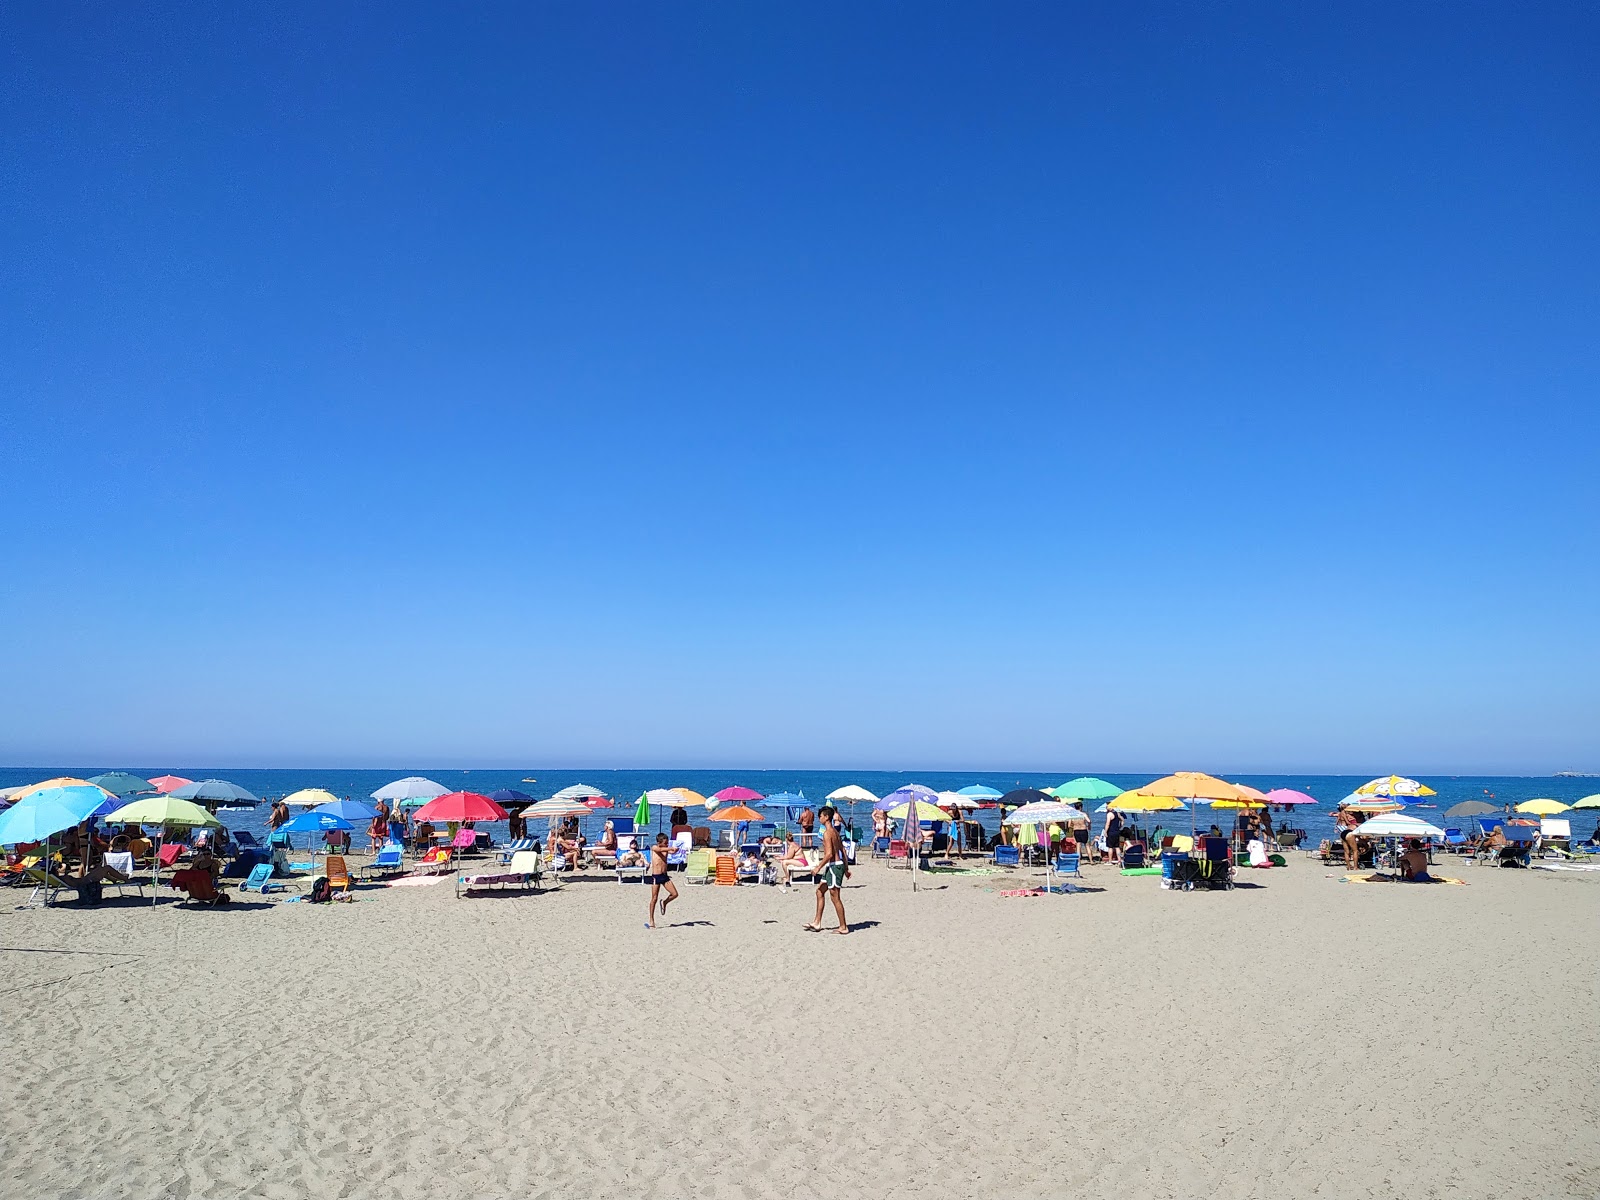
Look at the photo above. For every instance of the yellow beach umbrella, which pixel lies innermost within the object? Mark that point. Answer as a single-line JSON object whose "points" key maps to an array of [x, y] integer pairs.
{"points": [[1589, 802], [310, 798], [691, 798], [1190, 785], [1249, 797], [1394, 785], [1141, 802], [1542, 807], [925, 812]]}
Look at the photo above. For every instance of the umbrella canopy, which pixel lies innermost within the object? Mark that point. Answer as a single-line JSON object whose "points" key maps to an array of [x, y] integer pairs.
{"points": [[978, 792], [1141, 802], [956, 800], [1188, 785], [310, 798], [1588, 802], [1470, 808], [350, 810], [925, 812], [594, 802], [1047, 812], [735, 812], [50, 810], [504, 796], [1021, 796], [1288, 797], [1394, 785], [579, 791], [162, 810], [120, 783], [218, 791], [736, 795], [166, 783], [852, 794], [314, 821], [906, 794], [1085, 787], [1398, 825], [786, 800], [412, 787], [461, 806], [692, 797], [554, 808], [1542, 807], [60, 781], [1356, 802]]}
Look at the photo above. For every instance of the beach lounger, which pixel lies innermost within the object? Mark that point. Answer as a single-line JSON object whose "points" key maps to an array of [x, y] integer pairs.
{"points": [[245, 840], [1456, 842], [701, 836], [745, 872], [1556, 833], [465, 840], [199, 887], [633, 872], [435, 862], [699, 867], [511, 849], [727, 871], [390, 860], [1133, 856], [45, 883], [123, 872], [260, 880], [525, 870], [170, 853]]}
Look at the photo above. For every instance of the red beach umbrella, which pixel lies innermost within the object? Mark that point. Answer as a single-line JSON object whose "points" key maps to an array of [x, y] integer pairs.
{"points": [[460, 806], [599, 802]]}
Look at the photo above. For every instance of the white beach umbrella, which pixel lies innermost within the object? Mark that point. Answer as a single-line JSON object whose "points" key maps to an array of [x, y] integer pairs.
{"points": [[1398, 825], [412, 787], [557, 807], [955, 800], [853, 794], [580, 791]]}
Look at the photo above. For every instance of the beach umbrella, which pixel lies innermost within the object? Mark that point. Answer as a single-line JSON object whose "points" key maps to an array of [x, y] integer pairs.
{"points": [[1249, 797], [786, 800], [215, 791], [641, 814], [1542, 807], [1394, 785], [579, 791], [1288, 797], [310, 798], [1047, 812], [7, 793], [1020, 796], [120, 783], [162, 810], [1138, 801], [60, 781], [852, 794], [459, 807], [314, 821], [978, 792], [911, 832], [47, 811], [166, 783], [505, 796], [1356, 802], [350, 810], [1400, 826], [597, 802], [1085, 787], [956, 800], [925, 812], [1470, 808], [735, 812], [410, 791], [554, 808], [1588, 802], [692, 798], [736, 795]]}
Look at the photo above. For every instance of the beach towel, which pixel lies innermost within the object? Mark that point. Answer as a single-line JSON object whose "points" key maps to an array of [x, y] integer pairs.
{"points": [[416, 881], [1392, 879], [1023, 892]]}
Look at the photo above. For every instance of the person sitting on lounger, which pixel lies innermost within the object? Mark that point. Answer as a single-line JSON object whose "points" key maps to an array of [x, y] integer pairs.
{"points": [[607, 845], [750, 864], [1414, 862], [630, 858], [793, 859]]}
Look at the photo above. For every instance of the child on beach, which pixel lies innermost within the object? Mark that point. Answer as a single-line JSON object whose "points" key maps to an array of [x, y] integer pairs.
{"points": [[659, 879], [832, 872]]}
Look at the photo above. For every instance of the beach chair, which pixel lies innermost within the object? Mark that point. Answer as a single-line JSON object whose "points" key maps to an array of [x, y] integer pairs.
{"points": [[880, 847], [1456, 842], [123, 872], [199, 887], [634, 872], [338, 873], [170, 853], [727, 871], [678, 851], [465, 840], [1215, 862], [336, 841], [1556, 832], [747, 873], [1066, 866], [390, 860], [1007, 856], [45, 882], [435, 862], [525, 870], [260, 880], [1133, 856], [701, 836], [699, 866], [513, 848]]}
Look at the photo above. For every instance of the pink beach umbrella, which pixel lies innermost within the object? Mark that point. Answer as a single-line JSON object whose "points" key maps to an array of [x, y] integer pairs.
{"points": [[169, 783], [1288, 797], [737, 795]]}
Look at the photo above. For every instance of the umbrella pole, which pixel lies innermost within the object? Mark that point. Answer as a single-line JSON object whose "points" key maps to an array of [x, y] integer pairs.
{"points": [[155, 869]]}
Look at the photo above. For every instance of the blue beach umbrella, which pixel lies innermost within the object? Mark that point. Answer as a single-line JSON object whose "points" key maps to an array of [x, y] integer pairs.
{"points": [[911, 791], [506, 796], [349, 810], [314, 820], [43, 813], [978, 792], [784, 800]]}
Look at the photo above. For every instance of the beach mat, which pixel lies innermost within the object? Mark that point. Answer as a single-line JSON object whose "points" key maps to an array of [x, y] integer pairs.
{"points": [[1141, 870], [417, 881], [1390, 879]]}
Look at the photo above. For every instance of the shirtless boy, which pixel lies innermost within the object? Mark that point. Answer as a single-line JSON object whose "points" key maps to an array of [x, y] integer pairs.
{"points": [[660, 879]]}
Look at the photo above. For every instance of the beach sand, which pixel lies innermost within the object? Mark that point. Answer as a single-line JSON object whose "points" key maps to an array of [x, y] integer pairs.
{"points": [[1299, 1037]]}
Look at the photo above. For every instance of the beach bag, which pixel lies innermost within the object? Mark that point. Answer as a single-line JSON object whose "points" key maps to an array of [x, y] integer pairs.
{"points": [[320, 891]]}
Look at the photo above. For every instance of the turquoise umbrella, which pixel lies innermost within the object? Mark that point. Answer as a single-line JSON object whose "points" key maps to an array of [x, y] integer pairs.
{"points": [[120, 783], [1086, 787], [47, 812]]}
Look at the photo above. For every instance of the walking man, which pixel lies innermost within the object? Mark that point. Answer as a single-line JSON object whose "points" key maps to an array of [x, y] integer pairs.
{"points": [[659, 878], [832, 872]]}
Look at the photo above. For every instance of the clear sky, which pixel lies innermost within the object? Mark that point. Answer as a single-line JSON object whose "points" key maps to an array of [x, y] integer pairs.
{"points": [[912, 385]]}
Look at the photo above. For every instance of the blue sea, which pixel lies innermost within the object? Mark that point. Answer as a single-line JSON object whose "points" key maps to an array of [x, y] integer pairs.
{"points": [[625, 786]]}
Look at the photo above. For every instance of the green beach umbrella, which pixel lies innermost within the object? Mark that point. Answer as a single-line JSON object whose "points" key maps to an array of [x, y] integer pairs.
{"points": [[641, 815], [121, 783], [1588, 802], [1085, 787], [162, 811]]}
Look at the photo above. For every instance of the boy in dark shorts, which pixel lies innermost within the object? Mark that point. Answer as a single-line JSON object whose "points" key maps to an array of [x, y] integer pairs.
{"points": [[659, 879], [831, 872]]}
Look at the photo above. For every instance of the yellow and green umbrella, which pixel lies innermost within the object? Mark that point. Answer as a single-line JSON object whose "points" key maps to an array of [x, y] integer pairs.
{"points": [[925, 812], [1394, 785]]}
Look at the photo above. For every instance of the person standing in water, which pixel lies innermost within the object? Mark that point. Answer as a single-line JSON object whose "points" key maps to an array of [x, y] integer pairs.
{"points": [[831, 873], [659, 878]]}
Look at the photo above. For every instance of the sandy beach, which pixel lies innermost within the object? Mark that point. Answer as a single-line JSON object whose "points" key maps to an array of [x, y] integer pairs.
{"points": [[1302, 1036]]}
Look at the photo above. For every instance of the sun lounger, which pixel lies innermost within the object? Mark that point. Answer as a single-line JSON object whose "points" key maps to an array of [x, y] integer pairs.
{"points": [[390, 860], [122, 872], [1555, 832], [701, 835], [746, 871], [435, 862], [510, 849], [45, 882], [260, 880], [465, 840], [727, 871], [699, 866], [1456, 842], [245, 840], [524, 871], [338, 873], [170, 853], [1133, 856], [199, 886]]}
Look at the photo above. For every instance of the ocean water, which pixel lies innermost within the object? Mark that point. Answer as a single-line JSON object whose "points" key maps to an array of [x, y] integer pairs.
{"points": [[626, 786]]}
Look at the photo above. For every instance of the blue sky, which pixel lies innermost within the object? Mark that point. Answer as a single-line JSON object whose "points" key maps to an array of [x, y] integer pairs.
{"points": [[888, 386]]}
